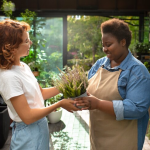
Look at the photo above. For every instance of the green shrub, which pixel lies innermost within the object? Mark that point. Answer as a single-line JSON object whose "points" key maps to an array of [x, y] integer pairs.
{"points": [[142, 47], [85, 63]]}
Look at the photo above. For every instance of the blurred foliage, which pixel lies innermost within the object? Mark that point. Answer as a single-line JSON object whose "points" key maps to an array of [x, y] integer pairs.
{"points": [[85, 63], [8, 7], [28, 16], [84, 35], [147, 65], [54, 99], [51, 53], [46, 79], [142, 47]]}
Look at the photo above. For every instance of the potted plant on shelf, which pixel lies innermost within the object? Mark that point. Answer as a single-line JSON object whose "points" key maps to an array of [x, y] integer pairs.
{"points": [[72, 82], [35, 67], [142, 49], [54, 116]]}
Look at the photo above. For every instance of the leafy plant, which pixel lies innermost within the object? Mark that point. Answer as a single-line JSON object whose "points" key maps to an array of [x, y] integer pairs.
{"points": [[142, 48], [8, 7], [84, 35], [53, 100], [35, 66], [28, 59], [72, 82], [28, 16], [46, 78], [35, 36], [85, 63], [147, 65]]}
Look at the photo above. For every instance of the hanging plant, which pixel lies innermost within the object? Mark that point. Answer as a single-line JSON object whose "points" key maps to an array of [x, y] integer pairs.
{"points": [[28, 16], [8, 7]]}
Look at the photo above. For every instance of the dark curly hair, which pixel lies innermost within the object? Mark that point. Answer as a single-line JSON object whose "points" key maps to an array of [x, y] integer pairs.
{"points": [[11, 32], [118, 29]]}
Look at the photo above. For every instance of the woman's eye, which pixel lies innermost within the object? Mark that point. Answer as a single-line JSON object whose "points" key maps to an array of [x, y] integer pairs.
{"points": [[109, 45], [106, 45]]}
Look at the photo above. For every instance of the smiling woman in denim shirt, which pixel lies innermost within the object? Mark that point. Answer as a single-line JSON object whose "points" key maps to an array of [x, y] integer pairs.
{"points": [[119, 95]]}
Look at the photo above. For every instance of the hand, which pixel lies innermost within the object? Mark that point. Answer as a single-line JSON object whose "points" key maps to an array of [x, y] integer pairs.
{"points": [[69, 105], [90, 102]]}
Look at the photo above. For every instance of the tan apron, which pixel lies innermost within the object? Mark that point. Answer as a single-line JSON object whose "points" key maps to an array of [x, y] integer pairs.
{"points": [[106, 133]]}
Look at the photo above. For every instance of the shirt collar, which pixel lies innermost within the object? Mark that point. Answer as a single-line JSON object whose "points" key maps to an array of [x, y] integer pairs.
{"points": [[123, 64]]}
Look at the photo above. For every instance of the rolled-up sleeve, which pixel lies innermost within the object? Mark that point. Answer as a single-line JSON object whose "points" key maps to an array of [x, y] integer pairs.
{"points": [[137, 99], [135, 90], [118, 109]]}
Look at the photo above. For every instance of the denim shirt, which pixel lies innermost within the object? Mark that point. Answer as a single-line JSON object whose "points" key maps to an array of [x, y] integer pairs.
{"points": [[133, 86]]}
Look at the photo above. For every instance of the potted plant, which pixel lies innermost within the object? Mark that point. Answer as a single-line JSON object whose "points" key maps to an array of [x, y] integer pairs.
{"points": [[35, 67], [142, 49], [72, 82], [54, 116]]}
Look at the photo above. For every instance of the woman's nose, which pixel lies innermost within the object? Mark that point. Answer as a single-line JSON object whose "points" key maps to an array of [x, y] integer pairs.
{"points": [[104, 49], [31, 42]]}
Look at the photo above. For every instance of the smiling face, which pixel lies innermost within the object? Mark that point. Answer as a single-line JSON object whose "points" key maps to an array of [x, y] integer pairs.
{"points": [[115, 51], [23, 49]]}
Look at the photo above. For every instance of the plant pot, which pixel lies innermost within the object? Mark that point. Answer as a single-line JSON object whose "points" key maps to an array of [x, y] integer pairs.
{"points": [[36, 73], [55, 116], [82, 95], [4, 125], [147, 56]]}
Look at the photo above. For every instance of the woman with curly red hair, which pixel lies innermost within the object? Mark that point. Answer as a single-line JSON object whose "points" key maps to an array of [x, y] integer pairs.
{"points": [[22, 93]]}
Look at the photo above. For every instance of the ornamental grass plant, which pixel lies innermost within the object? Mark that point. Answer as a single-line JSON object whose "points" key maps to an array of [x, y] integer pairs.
{"points": [[72, 82]]}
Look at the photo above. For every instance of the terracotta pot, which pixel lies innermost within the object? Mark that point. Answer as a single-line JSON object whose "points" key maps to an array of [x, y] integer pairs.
{"points": [[36, 73], [147, 57]]}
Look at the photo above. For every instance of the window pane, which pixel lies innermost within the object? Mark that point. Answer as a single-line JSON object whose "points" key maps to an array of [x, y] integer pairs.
{"points": [[51, 46]]}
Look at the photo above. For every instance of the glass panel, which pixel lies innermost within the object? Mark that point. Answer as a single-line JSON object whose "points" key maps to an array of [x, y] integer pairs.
{"points": [[51, 49], [84, 40]]}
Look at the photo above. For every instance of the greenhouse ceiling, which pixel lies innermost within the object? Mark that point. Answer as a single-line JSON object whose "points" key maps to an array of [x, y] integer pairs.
{"points": [[100, 7]]}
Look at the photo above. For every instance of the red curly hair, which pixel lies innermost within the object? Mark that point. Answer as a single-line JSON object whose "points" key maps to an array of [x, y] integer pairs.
{"points": [[11, 32]]}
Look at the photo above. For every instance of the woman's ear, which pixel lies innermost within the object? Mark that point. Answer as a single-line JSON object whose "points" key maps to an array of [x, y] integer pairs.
{"points": [[14, 51], [123, 42]]}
